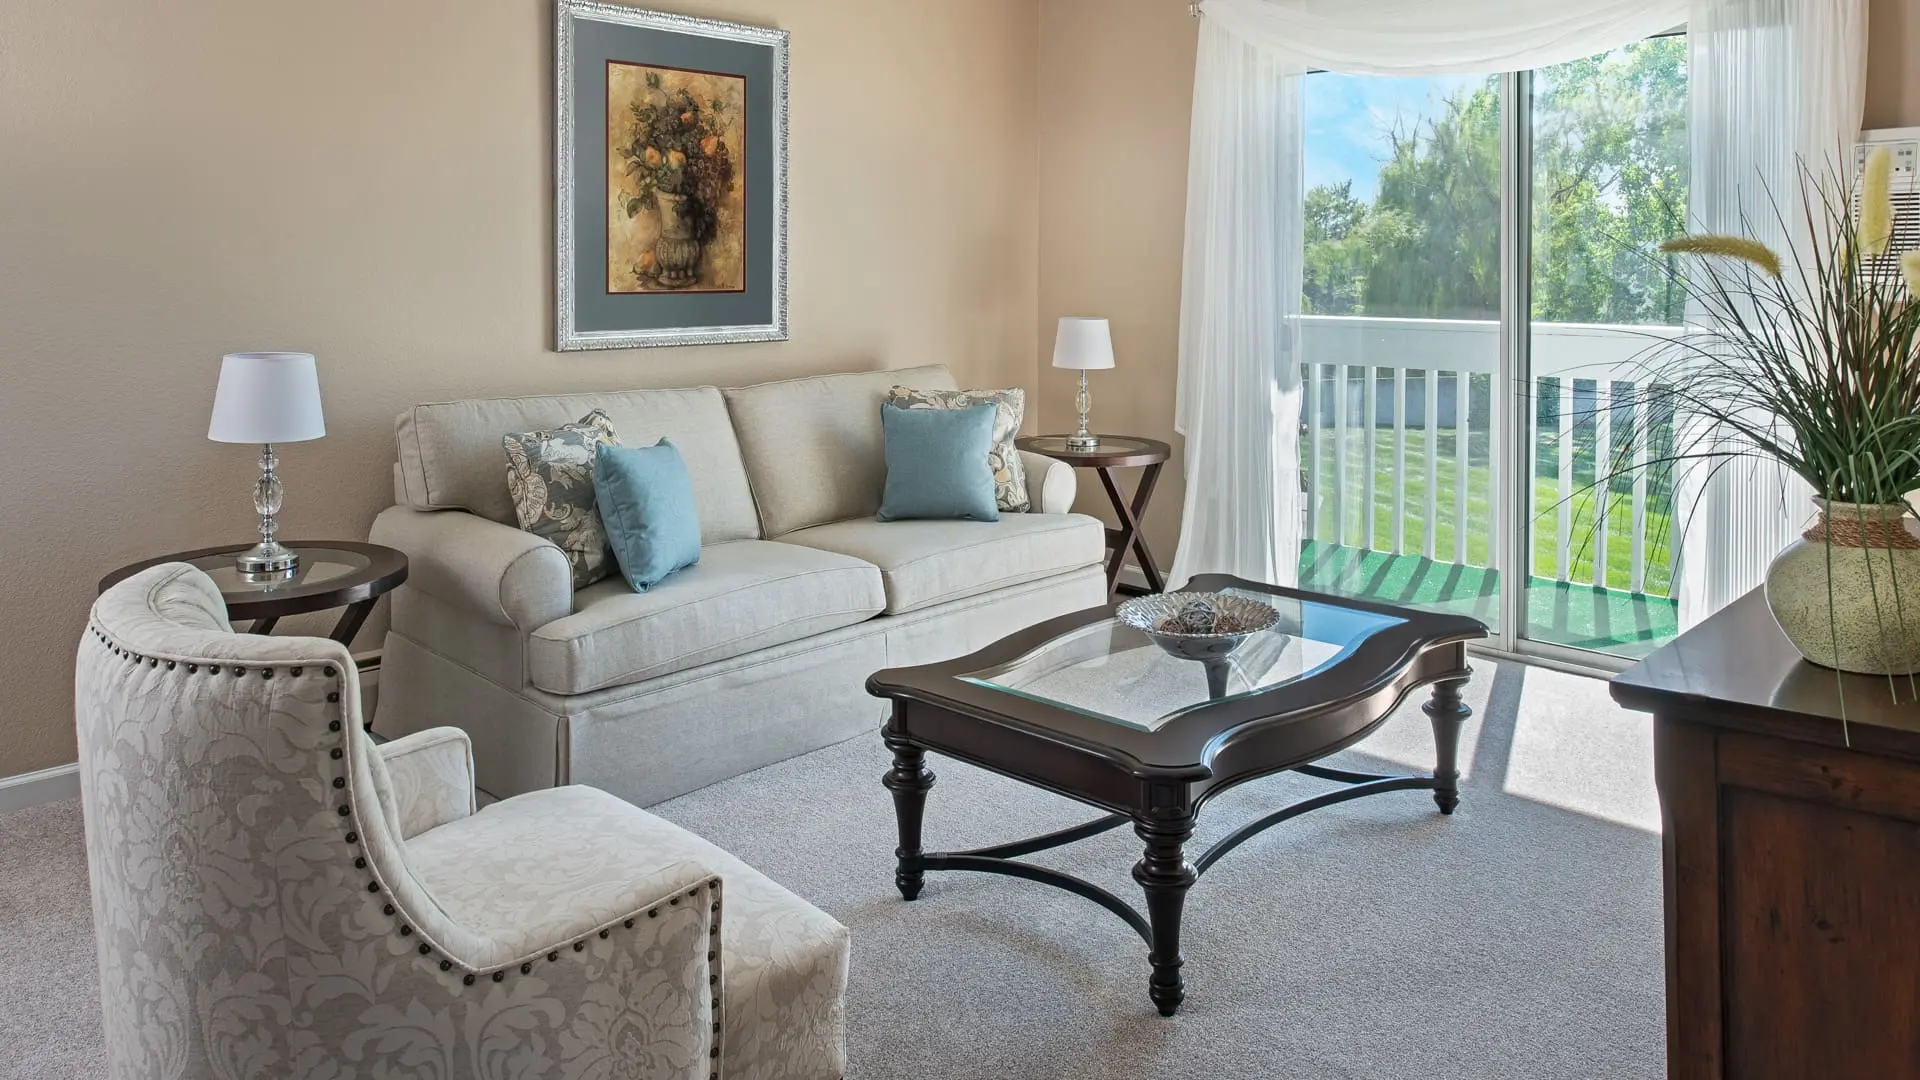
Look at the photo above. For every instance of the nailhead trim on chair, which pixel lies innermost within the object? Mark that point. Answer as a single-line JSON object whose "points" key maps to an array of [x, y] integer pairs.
{"points": [[352, 836]]}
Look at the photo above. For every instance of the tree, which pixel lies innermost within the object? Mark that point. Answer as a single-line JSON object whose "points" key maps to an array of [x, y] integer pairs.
{"points": [[1437, 251], [1336, 256], [1610, 183], [1610, 167]]}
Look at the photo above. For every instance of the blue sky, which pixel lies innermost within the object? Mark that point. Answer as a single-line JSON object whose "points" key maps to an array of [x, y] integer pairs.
{"points": [[1348, 116]]}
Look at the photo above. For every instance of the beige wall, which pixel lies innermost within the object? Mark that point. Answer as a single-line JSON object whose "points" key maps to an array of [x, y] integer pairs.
{"points": [[1116, 88], [1116, 81], [370, 181], [1893, 64]]}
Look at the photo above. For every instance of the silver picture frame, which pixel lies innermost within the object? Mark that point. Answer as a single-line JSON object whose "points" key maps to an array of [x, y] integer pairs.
{"points": [[570, 335]]}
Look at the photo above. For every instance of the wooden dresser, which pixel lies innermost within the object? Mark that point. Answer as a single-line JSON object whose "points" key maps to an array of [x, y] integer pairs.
{"points": [[1792, 860]]}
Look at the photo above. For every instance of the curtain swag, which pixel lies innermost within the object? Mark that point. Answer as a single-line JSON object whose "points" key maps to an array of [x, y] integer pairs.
{"points": [[1441, 37]]}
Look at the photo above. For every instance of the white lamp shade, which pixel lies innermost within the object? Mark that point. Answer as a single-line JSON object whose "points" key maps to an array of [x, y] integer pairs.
{"points": [[267, 397], [1083, 344]]}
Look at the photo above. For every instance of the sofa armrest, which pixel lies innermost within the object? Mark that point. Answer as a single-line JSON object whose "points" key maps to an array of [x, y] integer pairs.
{"points": [[495, 571], [1050, 483], [431, 773]]}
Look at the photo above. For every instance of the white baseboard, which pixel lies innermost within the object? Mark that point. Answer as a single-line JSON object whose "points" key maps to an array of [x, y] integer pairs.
{"points": [[34, 788]]}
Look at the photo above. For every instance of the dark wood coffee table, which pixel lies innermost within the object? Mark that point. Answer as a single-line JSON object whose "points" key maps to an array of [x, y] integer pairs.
{"points": [[1085, 707]]}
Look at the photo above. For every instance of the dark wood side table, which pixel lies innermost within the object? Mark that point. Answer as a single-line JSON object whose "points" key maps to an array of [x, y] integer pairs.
{"points": [[1116, 452], [331, 574], [1791, 851]]}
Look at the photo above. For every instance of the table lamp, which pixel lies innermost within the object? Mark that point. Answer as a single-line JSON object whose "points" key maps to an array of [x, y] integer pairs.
{"points": [[267, 398], [1082, 344]]}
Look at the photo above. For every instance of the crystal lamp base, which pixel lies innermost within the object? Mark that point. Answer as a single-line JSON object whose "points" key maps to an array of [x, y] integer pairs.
{"points": [[1081, 440], [266, 557]]}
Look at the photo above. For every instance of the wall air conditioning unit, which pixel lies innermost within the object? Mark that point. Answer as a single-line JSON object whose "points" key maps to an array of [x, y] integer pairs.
{"points": [[1905, 189]]}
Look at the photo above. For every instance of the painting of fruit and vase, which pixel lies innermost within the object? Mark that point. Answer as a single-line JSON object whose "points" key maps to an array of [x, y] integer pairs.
{"points": [[675, 216], [670, 179]]}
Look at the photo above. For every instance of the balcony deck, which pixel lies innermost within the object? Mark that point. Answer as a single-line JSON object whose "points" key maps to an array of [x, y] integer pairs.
{"points": [[1564, 613], [1406, 449]]}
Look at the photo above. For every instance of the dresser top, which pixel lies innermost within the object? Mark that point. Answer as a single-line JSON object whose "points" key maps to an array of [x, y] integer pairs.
{"points": [[1737, 669]]}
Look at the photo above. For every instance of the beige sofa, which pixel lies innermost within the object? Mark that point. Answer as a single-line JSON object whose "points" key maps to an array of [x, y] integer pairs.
{"points": [[757, 654]]}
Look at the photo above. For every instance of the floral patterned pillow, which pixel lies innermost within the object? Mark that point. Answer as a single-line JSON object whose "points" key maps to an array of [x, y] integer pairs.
{"points": [[550, 476], [1010, 405]]}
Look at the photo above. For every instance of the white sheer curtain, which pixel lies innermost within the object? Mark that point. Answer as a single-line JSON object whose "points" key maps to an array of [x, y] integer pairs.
{"points": [[1238, 403], [1771, 83]]}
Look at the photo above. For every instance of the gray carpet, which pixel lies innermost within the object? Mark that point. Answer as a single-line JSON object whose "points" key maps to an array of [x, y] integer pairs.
{"points": [[1520, 938], [49, 998]]}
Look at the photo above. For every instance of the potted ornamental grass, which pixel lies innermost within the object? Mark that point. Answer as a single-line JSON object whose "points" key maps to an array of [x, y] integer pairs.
{"points": [[1811, 363]]}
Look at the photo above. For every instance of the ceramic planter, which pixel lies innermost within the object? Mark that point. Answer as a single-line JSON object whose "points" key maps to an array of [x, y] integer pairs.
{"points": [[1847, 593]]}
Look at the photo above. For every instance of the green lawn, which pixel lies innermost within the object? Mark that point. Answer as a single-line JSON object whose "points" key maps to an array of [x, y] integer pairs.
{"points": [[1582, 535]]}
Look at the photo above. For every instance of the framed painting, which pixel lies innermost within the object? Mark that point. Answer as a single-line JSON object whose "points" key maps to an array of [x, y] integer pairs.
{"points": [[670, 179]]}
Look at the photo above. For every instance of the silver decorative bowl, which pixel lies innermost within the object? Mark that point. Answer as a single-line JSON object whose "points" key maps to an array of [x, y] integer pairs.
{"points": [[1197, 625]]}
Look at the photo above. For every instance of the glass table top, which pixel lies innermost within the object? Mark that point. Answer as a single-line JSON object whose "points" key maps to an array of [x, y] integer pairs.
{"points": [[1113, 672], [318, 566], [1109, 444]]}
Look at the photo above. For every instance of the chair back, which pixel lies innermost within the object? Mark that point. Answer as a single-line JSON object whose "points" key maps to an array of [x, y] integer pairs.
{"points": [[241, 838]]}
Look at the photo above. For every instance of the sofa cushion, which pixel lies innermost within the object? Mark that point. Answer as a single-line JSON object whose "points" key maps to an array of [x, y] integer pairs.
{"points": [[550, 479], [937, 464], [743, 596], [1003, 457], [813, 447], [450, 456], [930, 562], [646, 500]]}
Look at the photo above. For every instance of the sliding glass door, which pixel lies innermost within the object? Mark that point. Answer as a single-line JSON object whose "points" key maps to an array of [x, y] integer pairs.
{"points": [[1401, 337], [1481, 270], [1607, 183]]}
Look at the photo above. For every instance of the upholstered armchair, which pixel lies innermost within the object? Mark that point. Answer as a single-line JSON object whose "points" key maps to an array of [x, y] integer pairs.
{"points": [[275, 895]]}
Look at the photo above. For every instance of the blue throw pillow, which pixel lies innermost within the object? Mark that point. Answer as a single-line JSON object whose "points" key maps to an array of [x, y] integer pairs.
{"points": [[646, 501], [937, 464]]}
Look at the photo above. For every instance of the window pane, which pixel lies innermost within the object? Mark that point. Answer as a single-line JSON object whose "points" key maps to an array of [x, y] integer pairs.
{"points": [[1609, 184], [1403, 199], [1400, 334]]}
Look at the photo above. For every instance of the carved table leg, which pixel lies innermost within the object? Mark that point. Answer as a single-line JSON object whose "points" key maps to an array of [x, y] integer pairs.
{"points": [[909, 780], [1448, 714], [1165, 876]]}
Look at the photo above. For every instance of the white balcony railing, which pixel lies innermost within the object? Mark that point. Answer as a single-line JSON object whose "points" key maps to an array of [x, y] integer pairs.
{"points": [[1438, 360]]}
